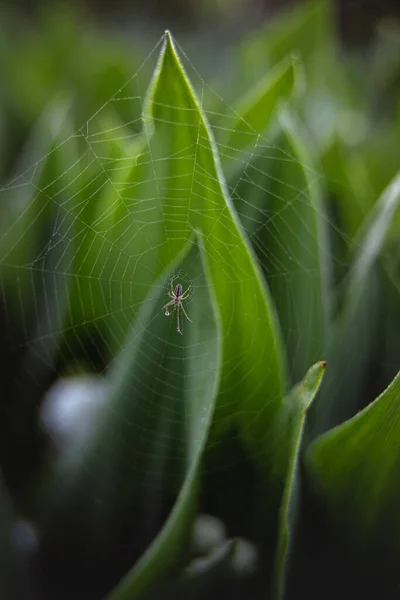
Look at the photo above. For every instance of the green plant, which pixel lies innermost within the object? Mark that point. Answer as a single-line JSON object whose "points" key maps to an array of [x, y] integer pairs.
{"points": [[271, 209]]}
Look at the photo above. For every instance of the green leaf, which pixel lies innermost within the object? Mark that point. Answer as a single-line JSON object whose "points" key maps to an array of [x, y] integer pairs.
{"points": [[376, 228], [280, 205], [26, 208], [355, 468], [295, 405], [162, 386], [147, 445], [253, 114], [306, 29], [389, 348], [199, 202], [64, 52], [35, 251], [198, 392], [358, 321], [113, 262], [347, 179]]}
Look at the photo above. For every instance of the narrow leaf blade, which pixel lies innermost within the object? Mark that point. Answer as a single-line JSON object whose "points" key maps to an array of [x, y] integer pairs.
{"points": [[297, 404]]}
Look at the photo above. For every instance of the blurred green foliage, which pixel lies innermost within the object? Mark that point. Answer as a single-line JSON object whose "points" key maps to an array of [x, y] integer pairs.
{"points": [[275, 202]]}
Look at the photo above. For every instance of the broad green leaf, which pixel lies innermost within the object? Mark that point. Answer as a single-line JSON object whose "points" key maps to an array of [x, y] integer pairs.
{"points": [[295, 406], [355, 467], [380, 155], [391, 255], [109, 248], [347, 179], [279, 202], [389, 347], [252, 115], [199, 392], [163, 385], [146, 447], [186, 162], [26, 209], [357, 326], [377, 226], [64, 52], [35, 251], [305, 29], [308, 31]]}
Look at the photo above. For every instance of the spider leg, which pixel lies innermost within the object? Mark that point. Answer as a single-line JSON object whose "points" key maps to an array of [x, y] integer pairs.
{"points": [[184, 312], [186, 291], [165, 307], [172, 289], [171, 295], [177, 319]]}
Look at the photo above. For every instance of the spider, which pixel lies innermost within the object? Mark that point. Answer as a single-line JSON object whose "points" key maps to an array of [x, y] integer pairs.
{"points": [[178, 296]]}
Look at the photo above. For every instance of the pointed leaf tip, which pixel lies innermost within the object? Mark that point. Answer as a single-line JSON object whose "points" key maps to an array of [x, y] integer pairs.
{"points": [[299, 400], [168, 38]]}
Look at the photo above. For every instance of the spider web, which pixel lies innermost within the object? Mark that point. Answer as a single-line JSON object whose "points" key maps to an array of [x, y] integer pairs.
{"points": [[76, 269]]}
